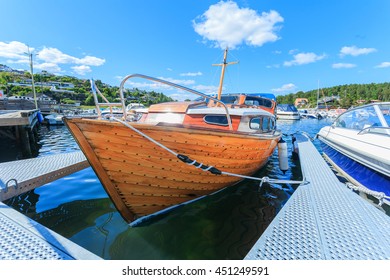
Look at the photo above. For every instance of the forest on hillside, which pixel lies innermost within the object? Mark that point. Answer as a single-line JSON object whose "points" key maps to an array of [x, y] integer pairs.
{"points": [[350, 95]]}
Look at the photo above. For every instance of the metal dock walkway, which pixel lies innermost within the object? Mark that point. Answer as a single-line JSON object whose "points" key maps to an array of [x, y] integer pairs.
{"points": [[24, 239], [20, 176], [21, 238], [324, 220]]}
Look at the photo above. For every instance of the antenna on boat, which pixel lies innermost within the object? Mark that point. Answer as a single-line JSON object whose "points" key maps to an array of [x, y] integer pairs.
{"points": [[223, 64]]}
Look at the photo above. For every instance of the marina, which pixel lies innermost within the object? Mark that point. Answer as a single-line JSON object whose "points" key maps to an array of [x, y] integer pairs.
{"points": [[124, 149], [294, 242]]}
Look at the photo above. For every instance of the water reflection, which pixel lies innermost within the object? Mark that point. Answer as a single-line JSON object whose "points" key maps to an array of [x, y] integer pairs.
{"points": [[224, 225]]}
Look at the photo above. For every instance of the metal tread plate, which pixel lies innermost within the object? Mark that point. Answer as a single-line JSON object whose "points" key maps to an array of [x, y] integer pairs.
{"points": [[24, 239], [324, 220], [20, 176]]}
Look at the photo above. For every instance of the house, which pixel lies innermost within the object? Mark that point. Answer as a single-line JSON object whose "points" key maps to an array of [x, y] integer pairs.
{"points": [[301, 102]]}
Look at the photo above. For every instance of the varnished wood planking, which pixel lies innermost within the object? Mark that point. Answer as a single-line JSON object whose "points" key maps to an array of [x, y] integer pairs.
{"points": [[100, 172], [148, 178]]}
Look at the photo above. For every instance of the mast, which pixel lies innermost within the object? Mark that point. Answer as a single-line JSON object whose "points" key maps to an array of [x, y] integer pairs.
{"points": [[32, 77], [318, 92], [223, 64]]}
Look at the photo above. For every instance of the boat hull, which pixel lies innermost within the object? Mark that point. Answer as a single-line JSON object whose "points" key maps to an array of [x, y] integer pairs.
{"points": [[364, 159], [142, 178], [287, 116], [356, 172]]}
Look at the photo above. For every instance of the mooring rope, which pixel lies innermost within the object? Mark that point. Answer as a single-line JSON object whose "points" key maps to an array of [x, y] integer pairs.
{"points": [[204, 167], [381, 196]]}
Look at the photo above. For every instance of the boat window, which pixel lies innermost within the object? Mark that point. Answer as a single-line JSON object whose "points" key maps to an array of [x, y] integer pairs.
{"points": [[258, 101], [287, 108], [216, 119], [266, 124], [385, 109], [359, 119], [262, 123], [255, 123], [272, 124], [229, 99]]}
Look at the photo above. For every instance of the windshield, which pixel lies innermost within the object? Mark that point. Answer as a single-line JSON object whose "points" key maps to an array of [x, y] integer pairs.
{"points": [[373, 118], [385, 109], [287, 108]]}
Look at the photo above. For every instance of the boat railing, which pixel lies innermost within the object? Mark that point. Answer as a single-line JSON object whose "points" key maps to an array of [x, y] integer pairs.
{"points": [[121, 92], [376, 129], [95, 93]]}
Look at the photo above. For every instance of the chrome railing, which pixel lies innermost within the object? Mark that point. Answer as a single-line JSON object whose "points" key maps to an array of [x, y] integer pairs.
{"points": [[96, 92], [173, 85]]}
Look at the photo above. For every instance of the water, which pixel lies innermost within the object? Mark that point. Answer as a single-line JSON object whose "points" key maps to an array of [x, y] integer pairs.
{"points": [[221, 226]]}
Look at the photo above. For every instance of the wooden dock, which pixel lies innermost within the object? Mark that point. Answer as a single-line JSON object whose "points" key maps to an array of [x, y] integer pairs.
{"points": [[17, 177], [21, 126], [324, 220]]}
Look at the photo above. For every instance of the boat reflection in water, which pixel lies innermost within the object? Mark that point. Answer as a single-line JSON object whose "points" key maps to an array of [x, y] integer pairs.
{"points": [[224, 225]]}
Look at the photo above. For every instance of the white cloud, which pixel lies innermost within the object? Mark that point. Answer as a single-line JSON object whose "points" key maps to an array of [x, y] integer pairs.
{"points": [[48, 58], [383, 65], [273, 66], [207, 89], [159, 86], [54, 55], [355, 51], [91, 61], [14, 50], [343, 65], [192, 74], [227, 25], [287, 88], [292, 51], [82, 69], [304, 58], [179, 82], [47, 66]]}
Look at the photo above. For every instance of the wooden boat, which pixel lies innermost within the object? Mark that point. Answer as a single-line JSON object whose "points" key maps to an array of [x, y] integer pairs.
{"points": [[176, 152]]}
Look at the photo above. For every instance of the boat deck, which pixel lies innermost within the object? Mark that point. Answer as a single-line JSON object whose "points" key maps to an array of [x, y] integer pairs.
{"points": [[324, 220]]}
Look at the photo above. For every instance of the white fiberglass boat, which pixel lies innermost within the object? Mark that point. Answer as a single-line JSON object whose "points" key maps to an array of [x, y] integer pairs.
{"points": [[358, 145]]}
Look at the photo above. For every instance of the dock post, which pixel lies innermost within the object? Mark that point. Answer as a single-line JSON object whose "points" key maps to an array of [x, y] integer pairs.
{"points": [[25, 141]]}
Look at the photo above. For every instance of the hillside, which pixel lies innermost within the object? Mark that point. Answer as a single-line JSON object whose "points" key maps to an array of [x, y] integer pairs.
{"points": [[18, 83], [352, 94]]}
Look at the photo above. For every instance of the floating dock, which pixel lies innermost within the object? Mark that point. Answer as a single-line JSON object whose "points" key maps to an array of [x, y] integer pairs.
{"points": [[17, 177], [22, 237], [324, 220]]}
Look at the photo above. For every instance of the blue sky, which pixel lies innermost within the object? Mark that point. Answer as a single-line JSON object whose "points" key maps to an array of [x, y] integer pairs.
{"points": [[282, 46]]}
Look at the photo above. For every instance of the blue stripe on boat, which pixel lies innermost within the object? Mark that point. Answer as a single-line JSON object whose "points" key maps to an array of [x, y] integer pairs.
{"points": [[369, 178]]}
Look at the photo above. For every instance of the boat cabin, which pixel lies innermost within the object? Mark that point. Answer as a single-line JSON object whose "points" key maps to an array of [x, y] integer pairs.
{"points": [[206, 115]]}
